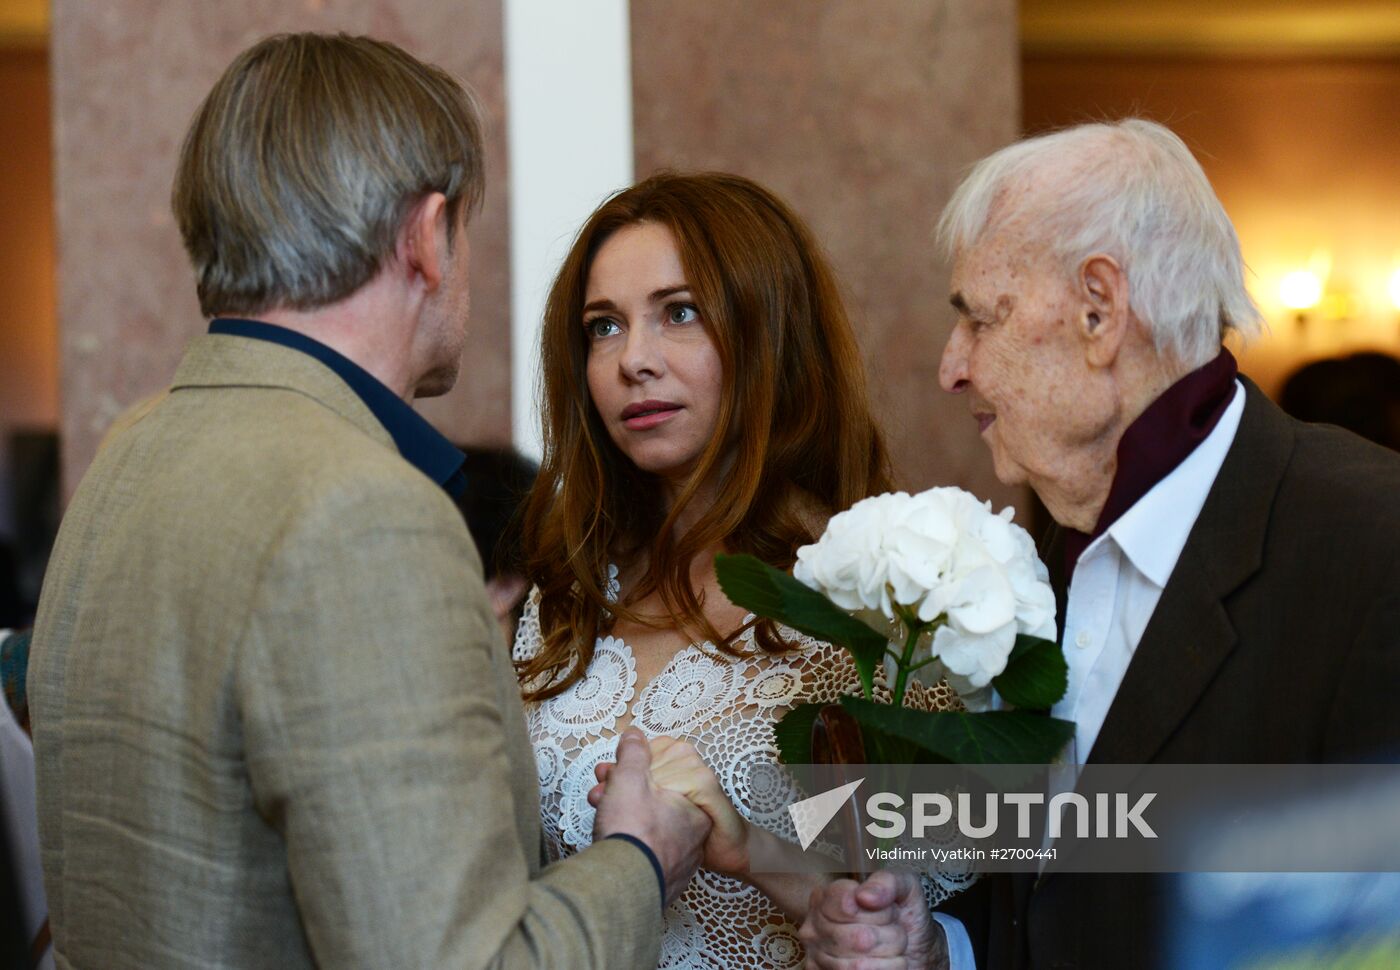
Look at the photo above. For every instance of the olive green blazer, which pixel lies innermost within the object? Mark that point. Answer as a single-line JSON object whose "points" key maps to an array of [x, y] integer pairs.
{"points": [[275, 724]]}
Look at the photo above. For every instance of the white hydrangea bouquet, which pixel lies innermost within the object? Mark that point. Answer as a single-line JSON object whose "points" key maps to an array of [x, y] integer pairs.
{"points": [[930, 586]]}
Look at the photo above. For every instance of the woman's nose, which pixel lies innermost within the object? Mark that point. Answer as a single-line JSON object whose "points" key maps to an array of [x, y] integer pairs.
{"points": [[641, 357]]}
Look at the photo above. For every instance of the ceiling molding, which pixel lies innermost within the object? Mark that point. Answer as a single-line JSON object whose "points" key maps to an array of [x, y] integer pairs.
{"points": [[24, 24], [1306, 28], [1348, 28]]}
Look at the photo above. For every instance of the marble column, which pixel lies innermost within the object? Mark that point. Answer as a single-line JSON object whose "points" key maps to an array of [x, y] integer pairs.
{"points": [[862, 116], [127, 77]]}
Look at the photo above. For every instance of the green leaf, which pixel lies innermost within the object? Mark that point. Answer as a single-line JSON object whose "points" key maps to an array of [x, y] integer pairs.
{"points": [[794, 734], [772, 593], [993, 737], [885, 748], [1036, 674]]}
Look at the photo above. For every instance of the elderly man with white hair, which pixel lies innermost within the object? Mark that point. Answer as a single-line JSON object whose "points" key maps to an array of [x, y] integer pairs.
{"points": [[1229, 577]]}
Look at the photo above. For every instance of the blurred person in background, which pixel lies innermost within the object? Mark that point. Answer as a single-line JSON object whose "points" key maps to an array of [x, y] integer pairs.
{"points": [[498, 480], [23, 909], [1360, 392]]}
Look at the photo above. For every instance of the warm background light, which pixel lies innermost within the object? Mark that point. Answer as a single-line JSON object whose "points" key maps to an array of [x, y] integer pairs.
{"points": [[1298, 134], [1300, 290], [1395, 288]]}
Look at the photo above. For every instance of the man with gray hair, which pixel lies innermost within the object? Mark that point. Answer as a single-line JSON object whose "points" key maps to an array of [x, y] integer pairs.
{"points": [[274, 720], [1229, 578]]}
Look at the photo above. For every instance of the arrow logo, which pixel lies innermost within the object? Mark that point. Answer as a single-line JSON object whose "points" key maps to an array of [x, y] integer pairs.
{"points": [[811, 815]]}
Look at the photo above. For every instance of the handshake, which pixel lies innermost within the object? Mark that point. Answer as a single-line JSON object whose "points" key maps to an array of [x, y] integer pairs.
{"points": [[663, 794]]}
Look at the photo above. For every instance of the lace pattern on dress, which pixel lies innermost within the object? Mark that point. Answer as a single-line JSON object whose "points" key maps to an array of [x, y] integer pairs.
{"points": [[726, 707]]}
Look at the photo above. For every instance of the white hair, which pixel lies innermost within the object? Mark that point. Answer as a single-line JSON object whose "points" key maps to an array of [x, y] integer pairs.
{"points": [[1130, 189]]}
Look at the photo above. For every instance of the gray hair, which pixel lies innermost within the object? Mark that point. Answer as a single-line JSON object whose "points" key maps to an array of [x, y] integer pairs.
{"points": [[303, 162], [1130, 189]]}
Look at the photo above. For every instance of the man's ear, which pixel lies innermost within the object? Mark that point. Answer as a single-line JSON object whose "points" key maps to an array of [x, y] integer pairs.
{"points": [[422, 242], [1105, 316]]}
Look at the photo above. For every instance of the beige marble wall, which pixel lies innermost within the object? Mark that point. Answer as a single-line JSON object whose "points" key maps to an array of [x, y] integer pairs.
{"points": [[860, 114], [127, 76]]}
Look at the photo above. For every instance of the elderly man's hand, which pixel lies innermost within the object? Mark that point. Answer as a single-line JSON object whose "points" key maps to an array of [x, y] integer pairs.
{"points": [[880, 924]]}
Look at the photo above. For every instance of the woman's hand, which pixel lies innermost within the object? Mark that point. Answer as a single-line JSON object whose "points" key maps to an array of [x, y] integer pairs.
{"points": [[733, 840], [677, 766]]}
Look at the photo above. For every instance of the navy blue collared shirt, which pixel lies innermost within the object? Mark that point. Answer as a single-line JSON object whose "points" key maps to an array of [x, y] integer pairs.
{"points": [[421, 445]]}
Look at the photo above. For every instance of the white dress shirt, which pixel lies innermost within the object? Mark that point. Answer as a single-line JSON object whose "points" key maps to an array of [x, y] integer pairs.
{"points": [[1118, 579]]}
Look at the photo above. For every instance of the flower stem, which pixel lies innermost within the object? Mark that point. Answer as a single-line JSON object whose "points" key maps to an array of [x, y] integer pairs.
{"points": [[901, 680]]}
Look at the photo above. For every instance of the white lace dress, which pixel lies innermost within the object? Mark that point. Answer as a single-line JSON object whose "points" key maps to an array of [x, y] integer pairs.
{"points": [[726, 707]]}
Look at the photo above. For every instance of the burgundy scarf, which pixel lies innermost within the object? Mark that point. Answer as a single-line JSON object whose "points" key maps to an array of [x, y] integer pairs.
{"points": [[1158, 441]]}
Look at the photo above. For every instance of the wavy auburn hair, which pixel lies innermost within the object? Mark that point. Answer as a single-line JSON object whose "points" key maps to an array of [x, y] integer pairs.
{"points": [[794, 437]]}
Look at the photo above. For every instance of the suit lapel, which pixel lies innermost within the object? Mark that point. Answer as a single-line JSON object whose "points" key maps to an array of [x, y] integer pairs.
{"points": [[1186, 640], [1190, 633]]}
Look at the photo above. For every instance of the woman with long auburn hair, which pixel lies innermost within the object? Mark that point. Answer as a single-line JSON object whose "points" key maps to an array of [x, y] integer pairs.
{"points": [[703, 392]]}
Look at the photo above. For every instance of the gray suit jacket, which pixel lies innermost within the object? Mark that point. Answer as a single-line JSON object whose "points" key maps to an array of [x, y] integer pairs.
{"points": [[274, 721]]}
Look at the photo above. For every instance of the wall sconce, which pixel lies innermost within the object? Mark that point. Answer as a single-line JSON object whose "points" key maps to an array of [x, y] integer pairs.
{"points": [[1300, 290], [1304, 290], [1340, 309]]}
